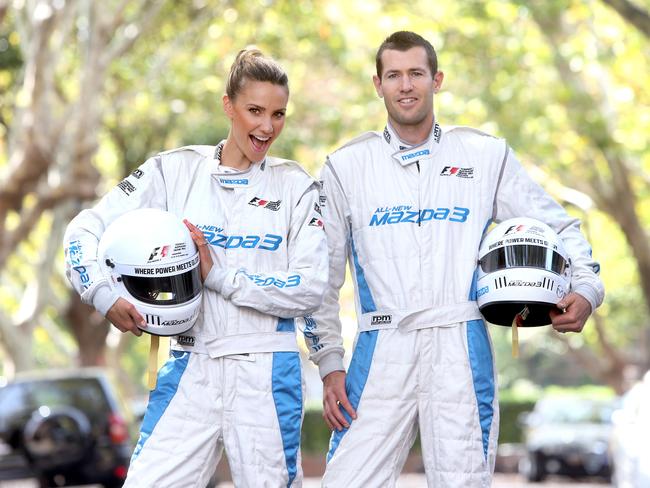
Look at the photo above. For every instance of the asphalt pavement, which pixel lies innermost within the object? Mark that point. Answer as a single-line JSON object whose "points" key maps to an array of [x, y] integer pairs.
{"points": [[500, 480]]}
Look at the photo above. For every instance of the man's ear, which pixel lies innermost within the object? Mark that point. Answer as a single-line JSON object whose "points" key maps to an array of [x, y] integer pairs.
{"points": [[377, 82], [437, 81]]}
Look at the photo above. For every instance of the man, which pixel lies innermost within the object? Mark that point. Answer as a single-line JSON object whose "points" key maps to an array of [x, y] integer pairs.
{"points": [[408, 208]]}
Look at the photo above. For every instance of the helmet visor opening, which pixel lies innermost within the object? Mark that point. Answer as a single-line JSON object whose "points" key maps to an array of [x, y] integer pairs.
{"points": [[164, 290], [523, 256]]}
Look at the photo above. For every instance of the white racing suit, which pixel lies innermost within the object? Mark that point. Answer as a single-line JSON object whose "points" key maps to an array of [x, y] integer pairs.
{"points": [[235, 378], [410, 221]]}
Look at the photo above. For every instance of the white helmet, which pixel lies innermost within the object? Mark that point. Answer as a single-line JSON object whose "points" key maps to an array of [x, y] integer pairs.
{"points": [[151, 261], [522, 264]]}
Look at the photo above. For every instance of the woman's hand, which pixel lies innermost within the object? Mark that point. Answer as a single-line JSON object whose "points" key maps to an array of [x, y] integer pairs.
{"points": [[205, 256], [124, 316]]}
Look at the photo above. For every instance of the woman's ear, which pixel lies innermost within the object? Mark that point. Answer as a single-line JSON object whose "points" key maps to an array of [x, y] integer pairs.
{"points": [[227, 106]]}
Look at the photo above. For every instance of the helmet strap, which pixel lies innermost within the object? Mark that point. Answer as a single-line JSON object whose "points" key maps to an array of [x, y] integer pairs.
{"points": [[517, 322], [152, 370]]}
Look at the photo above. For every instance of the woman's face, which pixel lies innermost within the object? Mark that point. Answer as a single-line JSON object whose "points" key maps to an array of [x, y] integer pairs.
{"points": [[257, 116]]}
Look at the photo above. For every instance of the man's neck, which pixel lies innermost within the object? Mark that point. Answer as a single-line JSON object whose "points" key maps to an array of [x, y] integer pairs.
{"points": [[413, 135]]}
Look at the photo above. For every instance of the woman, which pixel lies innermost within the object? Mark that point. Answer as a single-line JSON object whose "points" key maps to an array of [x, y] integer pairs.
{"points": [[234, 379]]}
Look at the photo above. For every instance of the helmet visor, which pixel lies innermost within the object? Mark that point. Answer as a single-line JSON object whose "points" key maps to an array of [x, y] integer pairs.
{"points": [[164, 290], [523, 256]]}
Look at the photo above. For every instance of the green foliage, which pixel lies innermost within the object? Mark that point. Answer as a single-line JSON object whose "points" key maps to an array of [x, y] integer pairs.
{"points": [[315, 433]]}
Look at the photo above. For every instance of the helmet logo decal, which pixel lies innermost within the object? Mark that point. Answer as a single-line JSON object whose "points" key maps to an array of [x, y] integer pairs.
{"points": [[158, 253], [514, 228]]}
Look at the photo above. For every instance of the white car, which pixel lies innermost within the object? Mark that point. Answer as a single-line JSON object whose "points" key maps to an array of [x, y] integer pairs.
{"points": [[630, 456]]}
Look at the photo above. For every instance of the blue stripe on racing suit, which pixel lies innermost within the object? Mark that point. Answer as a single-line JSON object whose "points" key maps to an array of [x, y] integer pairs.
{"points": [[167, 383], [357, 375], [367, 302], [480, 359], [482, 365], [287, 395]]}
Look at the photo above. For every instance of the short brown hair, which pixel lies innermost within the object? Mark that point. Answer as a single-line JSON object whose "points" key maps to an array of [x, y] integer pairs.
{"points": [[251, 64], [403, 41]]}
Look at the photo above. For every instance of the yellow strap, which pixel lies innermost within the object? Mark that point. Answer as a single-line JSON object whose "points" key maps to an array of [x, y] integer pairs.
{"points": [[515, 337], [153, 362]]}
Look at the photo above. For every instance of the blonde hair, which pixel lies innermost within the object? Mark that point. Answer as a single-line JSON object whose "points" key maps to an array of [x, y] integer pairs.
{"points": [[251, 64]]}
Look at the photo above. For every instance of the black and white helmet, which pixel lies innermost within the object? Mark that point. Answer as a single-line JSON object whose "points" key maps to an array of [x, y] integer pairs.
{"points": [[522, 264], [151, 261]]}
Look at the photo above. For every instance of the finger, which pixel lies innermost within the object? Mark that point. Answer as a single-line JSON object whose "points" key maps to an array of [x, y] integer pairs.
{"points": [[136, 322], [340, 417], [332, 423], [334, 414], [345, 403]]}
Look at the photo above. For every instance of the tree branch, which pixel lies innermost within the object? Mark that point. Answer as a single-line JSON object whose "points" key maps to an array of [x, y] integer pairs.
{"points": [[633, 14]]}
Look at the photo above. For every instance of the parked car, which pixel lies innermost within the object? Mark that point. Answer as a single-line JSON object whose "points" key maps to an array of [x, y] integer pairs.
{"points": [[64, 428], [629, 453], [567, 435]]}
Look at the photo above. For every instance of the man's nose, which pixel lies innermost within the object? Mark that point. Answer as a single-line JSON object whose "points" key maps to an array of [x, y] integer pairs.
{"points": [[406, 83]]}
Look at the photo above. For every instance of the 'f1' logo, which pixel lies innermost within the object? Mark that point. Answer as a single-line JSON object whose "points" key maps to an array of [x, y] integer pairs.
{"points": [[514, 228], [158, 253], [449, 171]]}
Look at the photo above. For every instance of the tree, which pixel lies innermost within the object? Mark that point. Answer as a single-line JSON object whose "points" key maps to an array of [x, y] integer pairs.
{"points": [[632, 13], [52, 129]]}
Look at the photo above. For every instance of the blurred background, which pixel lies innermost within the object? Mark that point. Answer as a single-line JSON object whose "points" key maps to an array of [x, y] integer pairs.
{"points": [[89, 90]]}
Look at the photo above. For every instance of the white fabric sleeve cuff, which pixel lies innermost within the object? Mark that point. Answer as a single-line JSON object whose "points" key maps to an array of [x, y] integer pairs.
{"points": [[591, 295], [329, 363], [104, 299], [216, 279]]}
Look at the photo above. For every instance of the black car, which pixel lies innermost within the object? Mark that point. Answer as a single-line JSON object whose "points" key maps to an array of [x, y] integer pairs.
{"points": [[567, 435], [63, 428]]}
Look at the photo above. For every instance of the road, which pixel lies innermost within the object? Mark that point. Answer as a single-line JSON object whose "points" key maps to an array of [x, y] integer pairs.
{"points": [[418, 481], [500, 481]]}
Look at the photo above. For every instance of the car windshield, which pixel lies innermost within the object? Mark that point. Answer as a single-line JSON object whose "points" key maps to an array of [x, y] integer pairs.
{"points": [[574, 410], [85, 394]]}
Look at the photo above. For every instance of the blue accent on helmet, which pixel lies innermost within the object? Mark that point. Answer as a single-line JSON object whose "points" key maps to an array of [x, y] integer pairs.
{"points": [[287, 395], [167, 383]]}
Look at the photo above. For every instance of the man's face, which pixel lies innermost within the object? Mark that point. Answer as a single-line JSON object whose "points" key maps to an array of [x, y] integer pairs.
{"points": [[407, 87]]}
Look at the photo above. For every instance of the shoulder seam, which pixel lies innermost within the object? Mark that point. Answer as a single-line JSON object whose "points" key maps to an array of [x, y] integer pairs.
{"points": [[358, 139]]}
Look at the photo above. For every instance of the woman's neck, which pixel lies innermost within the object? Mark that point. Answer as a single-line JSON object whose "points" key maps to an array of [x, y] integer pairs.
{"points": [[232, 157]]}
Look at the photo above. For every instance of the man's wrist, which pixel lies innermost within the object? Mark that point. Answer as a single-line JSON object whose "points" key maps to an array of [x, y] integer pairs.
{"points": [[329, 363]]}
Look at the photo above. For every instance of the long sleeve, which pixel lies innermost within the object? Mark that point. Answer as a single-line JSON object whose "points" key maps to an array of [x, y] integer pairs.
{"points": [[292, 292], [519, 196], [326, 345], [145, 187]]}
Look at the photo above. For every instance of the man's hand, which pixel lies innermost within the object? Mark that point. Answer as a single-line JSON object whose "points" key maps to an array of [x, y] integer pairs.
{"points": [[205, 258], [571, 313], [125, 317], [334, 397]]}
